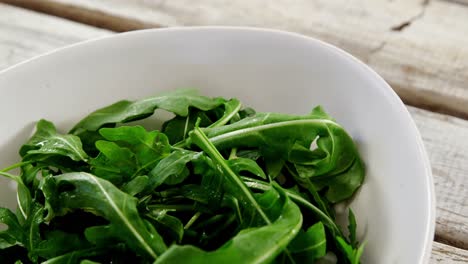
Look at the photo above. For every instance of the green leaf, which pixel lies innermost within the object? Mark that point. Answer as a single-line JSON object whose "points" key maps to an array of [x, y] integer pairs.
{"points": [[238, 187], [24, 199], [101, 235], [114, 163], [58, 242], [32, 230], [300, 200], [274, 167], [75, 256], [86, 261], [344, 185], [310, 245], [239, 165], [352, 254], [14, 234], [287, 137], [178, 127], [136, 185], [84, 191], [253, 245], [172, 169], [231, 108], [221, 178], [252, 154], [47, 142], [149, 147], [177, 102], [170, 224], [352, 228]]}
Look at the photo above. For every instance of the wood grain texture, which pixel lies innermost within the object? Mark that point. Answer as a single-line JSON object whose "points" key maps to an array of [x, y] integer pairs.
{"points": [[445, 254], [79, 14], [446, 142], [406, 41], [461, 2], [25, 34]]}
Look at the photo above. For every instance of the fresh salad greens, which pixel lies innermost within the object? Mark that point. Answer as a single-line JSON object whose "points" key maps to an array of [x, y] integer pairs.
{"points": [[219, 183]]}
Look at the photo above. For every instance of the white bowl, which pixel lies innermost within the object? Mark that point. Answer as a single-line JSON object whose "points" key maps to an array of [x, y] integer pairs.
{"points": [[270, 70]]}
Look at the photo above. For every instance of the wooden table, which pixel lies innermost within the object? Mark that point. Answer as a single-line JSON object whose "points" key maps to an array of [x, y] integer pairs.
{"points": [[419, 47]]}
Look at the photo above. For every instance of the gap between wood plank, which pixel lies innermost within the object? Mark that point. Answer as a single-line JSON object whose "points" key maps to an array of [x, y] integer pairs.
{"points": [[82, 15], [431, 101], [460, 2]]}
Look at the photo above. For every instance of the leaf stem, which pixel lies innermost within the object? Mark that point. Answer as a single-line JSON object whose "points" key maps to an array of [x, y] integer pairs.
{"points": [[259, 185], [186, 126], [144, 167], [204, 143], [225, 119], [192, 220], [171, 207], [17, 165], [233, 153], [10, 176]]}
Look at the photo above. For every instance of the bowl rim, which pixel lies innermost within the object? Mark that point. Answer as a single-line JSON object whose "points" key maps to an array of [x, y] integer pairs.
{"points": [[383, 86]]}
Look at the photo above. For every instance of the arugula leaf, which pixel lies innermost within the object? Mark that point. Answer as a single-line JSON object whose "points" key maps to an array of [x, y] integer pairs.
{"points": [[231, 108], [353, 255], [101, 236], [31, 227], [219, 184], [14, 234], [87, 261], [87, 192], [289, 138], [253, 245], [309, 245], [352, 228], [178, 127], [177, 102], [170, 223], [127, 152], [172, 169], [241, 164], [114, 163], [148, 147], [344, 185], [75, 256], [47, 142], [300, 200], [57, 243], [136, 185], [276, 134], [240, 190]]}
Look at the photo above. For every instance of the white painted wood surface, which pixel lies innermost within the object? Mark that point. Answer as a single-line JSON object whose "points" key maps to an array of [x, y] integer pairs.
{"points": [[24, 34], [419, 46]]}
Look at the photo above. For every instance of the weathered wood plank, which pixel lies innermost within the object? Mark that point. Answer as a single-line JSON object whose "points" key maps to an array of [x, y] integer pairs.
{"points": [[445, 254], [24, 34], [79, 14], [461, 2], [446, 142], [408, 42]]}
